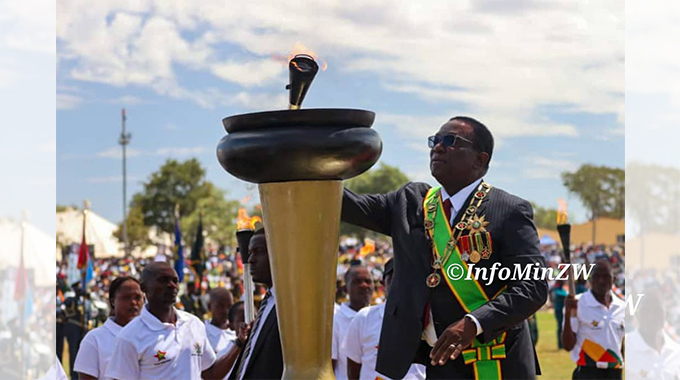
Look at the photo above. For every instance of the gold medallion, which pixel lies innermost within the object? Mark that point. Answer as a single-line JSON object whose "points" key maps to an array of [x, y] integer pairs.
{"points": [[429, 224], [478, 224], [475, 256], [433, 280]]}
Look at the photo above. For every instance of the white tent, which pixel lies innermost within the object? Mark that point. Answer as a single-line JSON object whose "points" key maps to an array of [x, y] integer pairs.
{"points": [[38, 250], [98, 232]]}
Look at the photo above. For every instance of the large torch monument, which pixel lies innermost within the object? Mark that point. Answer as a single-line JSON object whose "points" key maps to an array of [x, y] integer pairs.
{"points": [[299, 157]]}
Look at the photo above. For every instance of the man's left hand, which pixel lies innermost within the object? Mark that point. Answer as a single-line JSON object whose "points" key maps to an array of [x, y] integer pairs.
{"points": [[457, 337]]}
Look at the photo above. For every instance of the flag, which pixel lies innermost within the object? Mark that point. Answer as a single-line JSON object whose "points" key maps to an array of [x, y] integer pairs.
{"points": [[178, 250], [84, 262], [198, 253], [83, 252], [21, 284]]}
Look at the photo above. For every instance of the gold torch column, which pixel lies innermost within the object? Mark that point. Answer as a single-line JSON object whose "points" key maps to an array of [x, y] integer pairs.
{"points": [[302, 221]]}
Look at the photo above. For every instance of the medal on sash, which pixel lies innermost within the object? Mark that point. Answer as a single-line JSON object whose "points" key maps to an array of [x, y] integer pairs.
{"points": [[450, 247]]}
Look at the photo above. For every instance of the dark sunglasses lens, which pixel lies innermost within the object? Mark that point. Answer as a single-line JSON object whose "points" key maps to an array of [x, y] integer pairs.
{"points": [[449, 140], [432, 141]]}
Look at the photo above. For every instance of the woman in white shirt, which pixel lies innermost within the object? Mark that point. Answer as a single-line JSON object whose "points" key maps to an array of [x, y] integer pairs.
{"points": [[126, 299]]}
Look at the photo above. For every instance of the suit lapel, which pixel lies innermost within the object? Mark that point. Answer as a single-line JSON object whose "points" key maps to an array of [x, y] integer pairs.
{"points": [[269, 323]]}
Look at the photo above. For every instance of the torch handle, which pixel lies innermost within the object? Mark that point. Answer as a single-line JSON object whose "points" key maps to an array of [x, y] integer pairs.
{"points": [[570, 282], [249, 302]]}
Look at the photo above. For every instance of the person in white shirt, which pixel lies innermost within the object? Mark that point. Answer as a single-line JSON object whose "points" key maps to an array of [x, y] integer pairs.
{"points": [[218, 328], [594, 327], [651, 353], [359, 285], [163, 342], [126, 299], [360, 345]]}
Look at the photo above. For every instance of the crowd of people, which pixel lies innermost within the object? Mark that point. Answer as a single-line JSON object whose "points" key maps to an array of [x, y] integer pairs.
{"points": [[401, 309]]}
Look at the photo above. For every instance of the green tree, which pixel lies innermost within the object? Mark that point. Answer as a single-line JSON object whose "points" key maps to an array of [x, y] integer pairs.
{"points": [[219, 215], [600, 188], [137, 231], [545, 217], [653, 197], [180, 183], [175, 182], [380, 180]]}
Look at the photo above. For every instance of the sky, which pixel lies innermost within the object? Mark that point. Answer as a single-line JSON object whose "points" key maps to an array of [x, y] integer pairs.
{"points": [[27, 102], [546, 78]]}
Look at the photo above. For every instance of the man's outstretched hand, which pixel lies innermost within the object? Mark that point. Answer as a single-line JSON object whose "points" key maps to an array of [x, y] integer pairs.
{"points": [[457, 337]]}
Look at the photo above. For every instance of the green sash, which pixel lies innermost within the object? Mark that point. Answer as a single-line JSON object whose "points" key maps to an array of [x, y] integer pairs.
{"points": [[485, 358]]}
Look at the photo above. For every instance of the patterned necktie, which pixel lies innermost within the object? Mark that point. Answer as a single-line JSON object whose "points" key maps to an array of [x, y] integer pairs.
{"points": [[249, 343], [448, 206]]}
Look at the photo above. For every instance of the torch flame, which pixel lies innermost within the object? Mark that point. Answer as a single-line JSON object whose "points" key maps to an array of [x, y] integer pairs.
{"points": [[561, 211], [300, 49], [244, 222]]}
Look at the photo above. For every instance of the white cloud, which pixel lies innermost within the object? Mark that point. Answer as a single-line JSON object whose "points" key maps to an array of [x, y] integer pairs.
{"points": [[127, 100], [538, 167], [117, 152], [180, 151], [502, 64], [111, 179], [68, 101]]}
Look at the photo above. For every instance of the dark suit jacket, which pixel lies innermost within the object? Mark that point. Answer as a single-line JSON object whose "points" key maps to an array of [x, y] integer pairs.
{"points": [[399, 214], [266, 361]]}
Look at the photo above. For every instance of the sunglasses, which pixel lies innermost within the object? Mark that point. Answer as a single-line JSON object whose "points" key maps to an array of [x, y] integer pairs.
{"points": [[447, 140]]}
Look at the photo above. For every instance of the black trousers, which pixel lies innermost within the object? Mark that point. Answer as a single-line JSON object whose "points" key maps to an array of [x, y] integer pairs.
{"points": [[60, 340], [588, 373], [73, 333]]}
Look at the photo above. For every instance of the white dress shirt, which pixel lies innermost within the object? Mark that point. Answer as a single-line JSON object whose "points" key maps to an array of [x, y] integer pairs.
{"points": [[218, 338], [150, 349], [361, 344], [644, 362], [96, 349], [341, 321]]}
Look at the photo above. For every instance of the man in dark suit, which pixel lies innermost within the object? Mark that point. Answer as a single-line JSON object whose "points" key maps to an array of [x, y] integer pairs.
{"points": [[261, 356], [461, 329]]}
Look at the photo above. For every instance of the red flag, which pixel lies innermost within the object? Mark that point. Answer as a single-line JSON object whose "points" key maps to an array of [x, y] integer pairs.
{"points": [[83, 254]]}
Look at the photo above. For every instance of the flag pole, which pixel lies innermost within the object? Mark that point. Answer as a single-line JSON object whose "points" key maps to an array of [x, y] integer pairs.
{"points": [[83, 270], [123, 141], [22, 303]]}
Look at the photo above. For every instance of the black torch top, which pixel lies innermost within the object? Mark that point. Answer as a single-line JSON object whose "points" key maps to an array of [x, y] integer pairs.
{"points": [[243, 239], [302, 70], [564, 230]]}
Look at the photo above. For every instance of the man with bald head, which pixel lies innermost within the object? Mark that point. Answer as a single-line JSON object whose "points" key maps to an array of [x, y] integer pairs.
{"points": [[359, 284], [218, 329], [594, 327], [462, 329], [163, 342]]}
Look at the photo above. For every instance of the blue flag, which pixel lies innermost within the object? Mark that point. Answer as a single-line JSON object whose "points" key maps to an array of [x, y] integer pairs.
{"points": [[179, 252]]}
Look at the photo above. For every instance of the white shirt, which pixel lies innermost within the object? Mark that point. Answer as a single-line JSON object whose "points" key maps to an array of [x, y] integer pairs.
{"points": [[96, 350], [256, 333], [600, 327], [341, 321], [644, 362], [218, 338], [149, 349], [361, 344], [457, 203]]}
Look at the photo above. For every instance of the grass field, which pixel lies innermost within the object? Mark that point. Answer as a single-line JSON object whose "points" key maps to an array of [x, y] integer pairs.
{"points": [[555, 363]]}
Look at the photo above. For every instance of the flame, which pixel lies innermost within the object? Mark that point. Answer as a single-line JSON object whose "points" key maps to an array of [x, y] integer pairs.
{"points": [[368, 248], [244, 222], [561, 211], [299, 48]]}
